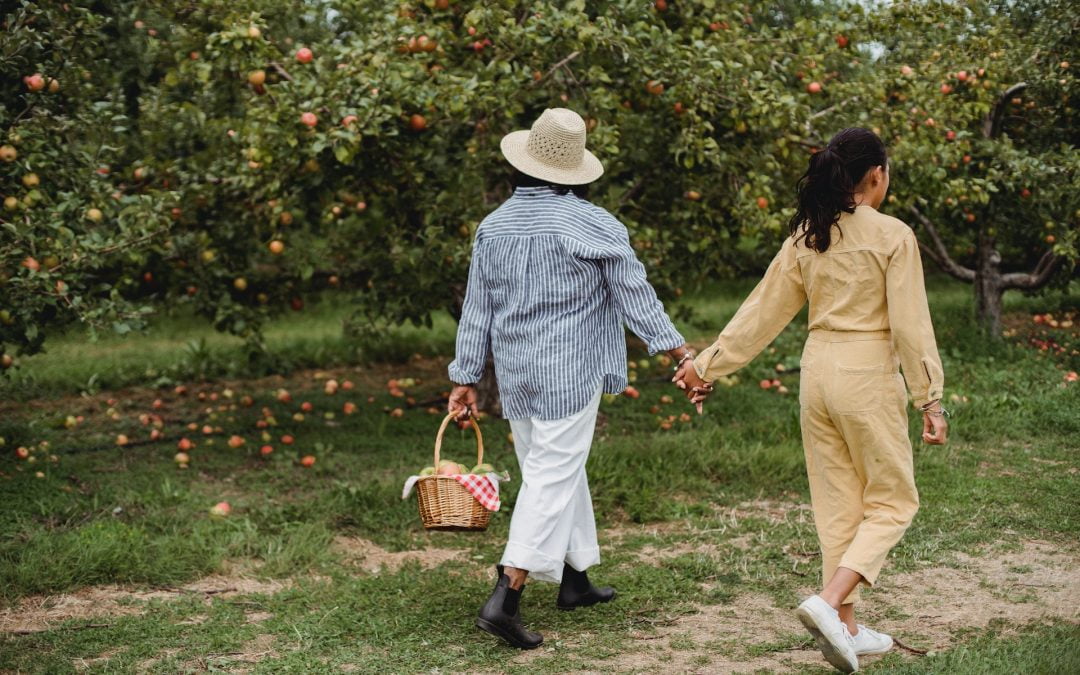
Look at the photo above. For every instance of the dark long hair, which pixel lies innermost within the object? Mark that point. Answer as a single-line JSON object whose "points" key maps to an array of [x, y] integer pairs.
{"points": [[828, 186], [520, 179]]}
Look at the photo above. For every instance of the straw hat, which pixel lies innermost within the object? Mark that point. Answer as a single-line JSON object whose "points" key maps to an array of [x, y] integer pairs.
{"points": [[553, 150]]}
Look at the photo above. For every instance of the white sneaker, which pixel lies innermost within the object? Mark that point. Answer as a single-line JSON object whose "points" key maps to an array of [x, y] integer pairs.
{"points": [[830, 633], [871, 642]]}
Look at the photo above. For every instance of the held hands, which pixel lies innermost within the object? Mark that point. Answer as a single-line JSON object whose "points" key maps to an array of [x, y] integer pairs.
{"points": [[695, 388], [463, 402]]}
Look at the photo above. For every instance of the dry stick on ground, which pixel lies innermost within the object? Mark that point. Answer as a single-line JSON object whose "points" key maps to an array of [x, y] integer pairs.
{"points": [[34, 631], [913, 650]]}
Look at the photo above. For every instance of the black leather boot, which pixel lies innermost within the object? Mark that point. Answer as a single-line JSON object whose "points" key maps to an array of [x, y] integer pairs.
{"points": [[501, 616], [576, 591]]}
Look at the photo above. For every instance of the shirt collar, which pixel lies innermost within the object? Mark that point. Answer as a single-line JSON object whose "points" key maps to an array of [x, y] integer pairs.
{"points": [[538, 191]]}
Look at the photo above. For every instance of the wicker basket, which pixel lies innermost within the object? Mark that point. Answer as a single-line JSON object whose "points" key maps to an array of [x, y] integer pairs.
{"points": [[444, 503]]}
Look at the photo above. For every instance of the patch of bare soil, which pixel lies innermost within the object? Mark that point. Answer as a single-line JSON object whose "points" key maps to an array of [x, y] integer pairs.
{"points": [[44, 612], [374, 559], [99, 661], [255, 650], [1041, 581]]}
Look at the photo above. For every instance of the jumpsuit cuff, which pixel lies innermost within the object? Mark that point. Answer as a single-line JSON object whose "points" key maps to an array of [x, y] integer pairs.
{"points": [[701, 363]]}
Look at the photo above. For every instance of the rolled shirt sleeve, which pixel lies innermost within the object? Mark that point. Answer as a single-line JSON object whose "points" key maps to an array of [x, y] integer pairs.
{"points": [[641, 309], [909, 320], [474, 328], [772, 304]]}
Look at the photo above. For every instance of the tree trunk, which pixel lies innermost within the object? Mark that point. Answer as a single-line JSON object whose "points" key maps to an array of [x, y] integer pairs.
{"points": [[989, 287]]}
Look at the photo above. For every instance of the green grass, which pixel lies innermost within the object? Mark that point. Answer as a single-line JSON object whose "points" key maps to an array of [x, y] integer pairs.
{"points": [[730, 482]]}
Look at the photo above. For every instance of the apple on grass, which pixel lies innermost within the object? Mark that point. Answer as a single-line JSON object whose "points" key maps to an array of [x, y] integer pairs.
{"points": [[220, 510], [307, 461]]}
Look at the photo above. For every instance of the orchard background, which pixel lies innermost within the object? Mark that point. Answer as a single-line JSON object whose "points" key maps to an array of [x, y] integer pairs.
{"points": [[234, 238], [245, 157]]}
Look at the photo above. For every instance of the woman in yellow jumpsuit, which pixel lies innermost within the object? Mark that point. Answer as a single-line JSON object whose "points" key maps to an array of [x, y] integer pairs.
{"points": [[861, 273]]}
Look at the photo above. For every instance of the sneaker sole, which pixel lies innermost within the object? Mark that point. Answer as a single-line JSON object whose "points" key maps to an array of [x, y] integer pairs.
{"points": [[488, 627], [876, 651], [833, 655]]}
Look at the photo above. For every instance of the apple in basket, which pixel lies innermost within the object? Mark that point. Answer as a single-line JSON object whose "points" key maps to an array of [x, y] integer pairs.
{"points": [[483, 469], [427, 471], [449, 468]]}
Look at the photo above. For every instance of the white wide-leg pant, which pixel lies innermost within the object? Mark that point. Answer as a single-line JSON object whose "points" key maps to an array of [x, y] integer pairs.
{"points": [[553, 519]]}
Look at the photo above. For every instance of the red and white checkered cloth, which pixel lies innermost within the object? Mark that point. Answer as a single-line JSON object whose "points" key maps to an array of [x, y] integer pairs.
{"points": [[483, 488]]}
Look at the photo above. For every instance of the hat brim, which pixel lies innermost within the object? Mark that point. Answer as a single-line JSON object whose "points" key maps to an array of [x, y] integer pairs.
{"points": [[514, 146]]}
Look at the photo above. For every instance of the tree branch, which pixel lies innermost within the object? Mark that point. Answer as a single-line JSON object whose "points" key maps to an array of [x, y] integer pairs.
{"points": [[992, 123], [1044, 271], [281, 70], [942, 258], [825, 111], [573, 55]]}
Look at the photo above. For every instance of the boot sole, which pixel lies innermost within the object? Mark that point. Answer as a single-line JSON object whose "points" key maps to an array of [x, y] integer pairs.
{"points": [[570, 608], [832, 654], [488, 627]]}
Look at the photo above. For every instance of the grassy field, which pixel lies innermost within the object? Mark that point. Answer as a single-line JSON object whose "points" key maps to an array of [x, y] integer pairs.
{"points": [[111, 562]]}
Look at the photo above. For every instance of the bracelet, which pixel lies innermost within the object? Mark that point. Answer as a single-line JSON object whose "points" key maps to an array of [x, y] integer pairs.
{"points": [[686, 357], [942, 412]]}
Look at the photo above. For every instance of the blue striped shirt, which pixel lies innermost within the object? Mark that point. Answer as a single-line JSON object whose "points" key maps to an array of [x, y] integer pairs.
{"points": [[552, 279]]}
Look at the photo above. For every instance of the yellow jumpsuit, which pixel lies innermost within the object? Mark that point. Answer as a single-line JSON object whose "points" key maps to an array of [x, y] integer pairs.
{"points": [[868, 317]]}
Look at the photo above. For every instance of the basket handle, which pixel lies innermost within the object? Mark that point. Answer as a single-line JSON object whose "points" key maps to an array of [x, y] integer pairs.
{"points": [[442, 429]]}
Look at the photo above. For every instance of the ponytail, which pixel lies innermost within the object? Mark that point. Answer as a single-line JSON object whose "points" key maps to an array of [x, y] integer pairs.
{"points": [[828, 186]]}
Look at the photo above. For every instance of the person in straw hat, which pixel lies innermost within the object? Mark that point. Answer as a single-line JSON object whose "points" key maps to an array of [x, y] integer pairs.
{"points": [[552, 280]]}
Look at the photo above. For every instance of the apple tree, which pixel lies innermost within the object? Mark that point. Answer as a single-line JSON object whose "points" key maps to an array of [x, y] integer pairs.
{"points": [[72, 219], [978, 103]]}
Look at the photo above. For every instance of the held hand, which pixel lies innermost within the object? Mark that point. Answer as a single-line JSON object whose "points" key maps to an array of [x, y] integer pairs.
{"points": [[935, 427], [696, 389], [463, 402]]}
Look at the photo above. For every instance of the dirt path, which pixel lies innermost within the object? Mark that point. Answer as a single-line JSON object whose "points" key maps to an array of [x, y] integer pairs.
{"points": [[753, 633], [924, 609]]}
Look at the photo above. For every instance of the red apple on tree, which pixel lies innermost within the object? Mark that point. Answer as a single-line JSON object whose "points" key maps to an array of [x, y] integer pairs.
{"points": [[814, 87], [35, 82], [304, 55], [309, 119]]}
